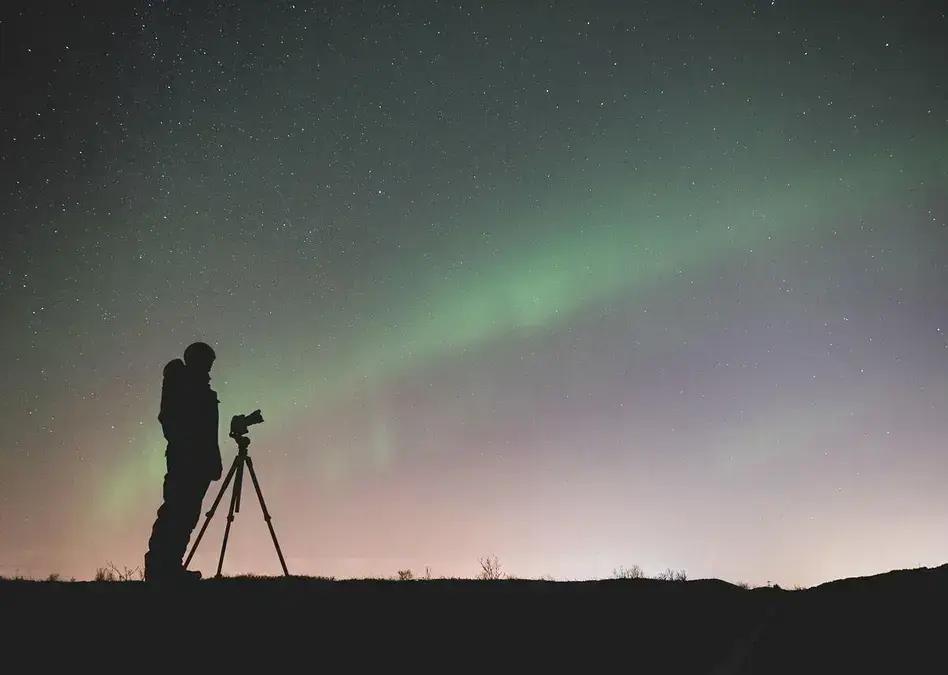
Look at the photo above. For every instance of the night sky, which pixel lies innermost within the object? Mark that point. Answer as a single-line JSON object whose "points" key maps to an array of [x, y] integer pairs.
{"points": [[579, 285]]}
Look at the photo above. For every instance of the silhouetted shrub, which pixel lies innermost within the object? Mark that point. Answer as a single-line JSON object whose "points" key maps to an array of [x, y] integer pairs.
{"points": [[672, 575], [111, 572], [634, 572], [104, 574], [490, 569], [405, 575]]}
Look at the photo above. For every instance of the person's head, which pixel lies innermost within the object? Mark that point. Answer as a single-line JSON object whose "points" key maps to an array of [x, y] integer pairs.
{"points": [[199, 356]]}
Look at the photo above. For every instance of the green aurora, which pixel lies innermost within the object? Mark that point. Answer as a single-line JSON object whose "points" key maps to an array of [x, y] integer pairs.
{"points": [[538, 286]]}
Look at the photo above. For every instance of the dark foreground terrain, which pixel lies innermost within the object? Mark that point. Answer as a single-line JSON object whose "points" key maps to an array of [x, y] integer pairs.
{"points": [[893, 623]]}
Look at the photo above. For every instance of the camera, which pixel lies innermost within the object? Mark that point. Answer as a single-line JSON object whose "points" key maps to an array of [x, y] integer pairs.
{"points": [[239, 423]]}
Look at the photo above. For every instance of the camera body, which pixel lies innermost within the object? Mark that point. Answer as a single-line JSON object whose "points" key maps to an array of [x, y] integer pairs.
{"points": [[239, 423]]}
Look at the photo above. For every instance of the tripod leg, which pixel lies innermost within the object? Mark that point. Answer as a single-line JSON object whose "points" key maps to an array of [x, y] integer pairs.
{"points": [[210, 514], [266, 515], [230, 513], [238, 488]]}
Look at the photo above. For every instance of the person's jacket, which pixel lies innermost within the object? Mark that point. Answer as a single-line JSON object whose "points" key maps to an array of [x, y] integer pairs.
{"points": [[189, 421]]}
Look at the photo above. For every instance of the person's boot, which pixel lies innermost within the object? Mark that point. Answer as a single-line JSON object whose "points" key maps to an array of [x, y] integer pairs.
{"points": [[171, 574], [156, 574], [191, 575], [153, 568]]}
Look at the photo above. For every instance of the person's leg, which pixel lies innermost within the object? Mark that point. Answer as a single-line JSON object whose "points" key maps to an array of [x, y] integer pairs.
{"points": [[165, 533], [191, 510]]}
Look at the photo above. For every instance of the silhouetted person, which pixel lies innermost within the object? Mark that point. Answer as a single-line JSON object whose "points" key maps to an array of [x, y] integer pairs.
{"points": [[189, 418]]}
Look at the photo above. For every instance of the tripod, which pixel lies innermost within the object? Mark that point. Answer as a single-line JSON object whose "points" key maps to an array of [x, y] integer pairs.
{"points": [[237, 474]]}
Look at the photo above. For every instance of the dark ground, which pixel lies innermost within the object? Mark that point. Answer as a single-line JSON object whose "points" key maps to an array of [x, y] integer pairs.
{"points": [[891, 623]]}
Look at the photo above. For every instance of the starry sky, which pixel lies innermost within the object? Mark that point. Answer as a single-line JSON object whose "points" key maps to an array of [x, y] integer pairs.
{"points": [[579, 285]]}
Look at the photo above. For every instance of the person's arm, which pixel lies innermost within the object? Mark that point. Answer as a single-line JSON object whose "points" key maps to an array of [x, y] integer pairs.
{"points": [[214, 449]]}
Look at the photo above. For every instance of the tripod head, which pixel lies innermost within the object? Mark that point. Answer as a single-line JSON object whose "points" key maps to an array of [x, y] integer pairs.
{"points": [[242, 443]]}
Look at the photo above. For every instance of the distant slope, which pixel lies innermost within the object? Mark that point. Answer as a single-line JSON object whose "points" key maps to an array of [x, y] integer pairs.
{"points": [[892, 622]]}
